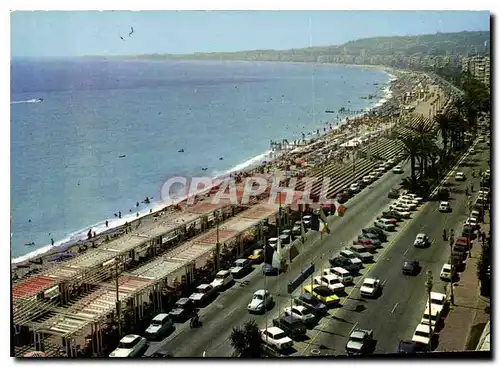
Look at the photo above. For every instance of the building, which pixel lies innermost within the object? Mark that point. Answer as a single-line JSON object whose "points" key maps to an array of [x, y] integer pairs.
{"points": [[479, 68]]}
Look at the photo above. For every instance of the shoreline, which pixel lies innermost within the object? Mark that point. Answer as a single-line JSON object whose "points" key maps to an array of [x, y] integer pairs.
{"points": [[79, 238]]}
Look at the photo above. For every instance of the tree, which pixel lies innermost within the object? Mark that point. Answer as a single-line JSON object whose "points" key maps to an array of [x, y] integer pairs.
{"points": [[246, 340]]}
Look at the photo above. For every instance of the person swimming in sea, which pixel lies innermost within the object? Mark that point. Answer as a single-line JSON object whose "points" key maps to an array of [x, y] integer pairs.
{"points": [[180, 151]]}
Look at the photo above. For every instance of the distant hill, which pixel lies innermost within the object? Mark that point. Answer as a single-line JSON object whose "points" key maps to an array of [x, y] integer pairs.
{"points": [[376, 50]]}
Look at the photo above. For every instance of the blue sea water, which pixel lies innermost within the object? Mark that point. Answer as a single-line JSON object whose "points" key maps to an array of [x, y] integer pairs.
{"points": [[66, 170]]}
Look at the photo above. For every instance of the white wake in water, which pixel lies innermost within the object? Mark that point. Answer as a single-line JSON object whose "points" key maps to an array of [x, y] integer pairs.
{"points": [[27, 101]]}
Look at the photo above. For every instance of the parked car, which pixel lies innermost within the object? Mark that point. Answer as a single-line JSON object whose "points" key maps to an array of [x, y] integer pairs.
{"points": [[261, 301], [393, 194], [268, 269], [392, 214], [343, 262], [257, 256], [160, 324], [311, 303], [388, 219], [352, 257], [203, 295], [433, 317], [182, 309], [130, 346], [422, 334], [439, 301], [444, 207], [370, 243], [371, 287], [302, 313], [381, 235], [421, 241], [223, 279], [291, 326], [362, 252], [240, 268], [369, 235], [360, 342], [344, 276], [276, 338], [330, 281], [446, 272], [323, 294], [411, 267], [306, 219], [384, 225], [410, 347], [460, 176], [408, 203], [161, 354], [355, 187]]}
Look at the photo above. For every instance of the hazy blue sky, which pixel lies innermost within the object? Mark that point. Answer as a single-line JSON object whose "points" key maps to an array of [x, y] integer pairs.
{"points": [[98, 33]]}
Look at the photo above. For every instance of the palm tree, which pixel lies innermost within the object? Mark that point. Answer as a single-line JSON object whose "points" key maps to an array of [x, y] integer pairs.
{"points": [[247, 341], [411, 146], [443, 122]]}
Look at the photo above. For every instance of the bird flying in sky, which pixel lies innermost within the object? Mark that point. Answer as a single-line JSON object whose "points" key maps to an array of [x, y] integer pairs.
{"points": [[131, 31]]}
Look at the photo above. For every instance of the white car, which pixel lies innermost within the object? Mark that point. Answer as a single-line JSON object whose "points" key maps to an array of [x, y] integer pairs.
{"points": [[370, 287], [344, 275], [301, 313], [418, 199], [438, 300], [306, 219], [385, 225], [355, 187], [130, 346], [408, 203], [223, 279], [410, 199], [444, 207], [399, 207], [203, 293], [421, 240], [422, 335], [460, 176], [331, 281], [446, 272], [276, 338], [472, 222], [397, 169], [240, 267], [159, 325], [433, 317], [273, 241], [402, 213], [352, 258], [367, 179], [261, 301]]}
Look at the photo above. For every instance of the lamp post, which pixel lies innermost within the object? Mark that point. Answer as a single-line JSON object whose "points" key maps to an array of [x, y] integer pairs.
{"points": [[428, 286], [452, 239], [469, 206]]}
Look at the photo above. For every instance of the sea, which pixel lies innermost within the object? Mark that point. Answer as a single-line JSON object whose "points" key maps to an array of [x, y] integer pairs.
{"points": [[93, 137]]}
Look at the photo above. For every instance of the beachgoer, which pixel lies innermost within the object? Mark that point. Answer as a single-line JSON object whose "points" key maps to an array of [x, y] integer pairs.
{"points": [[29, 220], [52, 241], [116, 215], [89, 234], [119, 214], [107, 224], [137, 204], [94, 234]]}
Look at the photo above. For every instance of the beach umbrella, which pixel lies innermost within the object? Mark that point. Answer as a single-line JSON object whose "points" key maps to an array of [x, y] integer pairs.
{"points": [[35, 354]]}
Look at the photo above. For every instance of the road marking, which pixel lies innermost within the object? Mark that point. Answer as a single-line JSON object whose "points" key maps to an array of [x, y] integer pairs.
{"points": [[354, 327], [408, 249], [383, 283], [394, 308]]}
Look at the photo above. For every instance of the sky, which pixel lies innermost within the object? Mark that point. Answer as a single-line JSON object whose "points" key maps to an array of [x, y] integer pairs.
{"points": [[81, 33]]}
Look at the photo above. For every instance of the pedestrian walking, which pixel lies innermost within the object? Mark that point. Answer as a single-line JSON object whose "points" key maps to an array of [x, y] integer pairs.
{"points": [[52, 241], [107, 224]]}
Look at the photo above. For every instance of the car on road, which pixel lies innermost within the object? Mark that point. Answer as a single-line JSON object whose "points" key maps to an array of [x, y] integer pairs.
{"points": [[240, 268], [433, 317], [276, 338], [369, 235], [203, 295], [161, 354], [223, 279], [443, 194], [411, 267], [306, 219], [410, 347], [261, 301], [408, 203], [160, 324], [371, 287], [360, 342], [273, 242], [468, 231], [393, 194], [363, 253], [477, 214], [460, 176], [268, 269], [296, 229], [257, 256], [130, 346], [310, 302], [392, 214], [331, 281], [410, 199], [285, 239], [302, 313], [399, 207], [438, 300], [323, 294], [388, 219], [397, 170], [182, 309], [351, 256], [422, 334], [367, 180], [380, 233], [416, 198], [291, 326], [444, 207], [355, 187], [340, 261], [446, 272], [344, 276], [421, 241], [386, 226], [472, 222]]}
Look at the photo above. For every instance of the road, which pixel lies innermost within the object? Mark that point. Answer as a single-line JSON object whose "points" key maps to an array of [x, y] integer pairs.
{"points": [[229, 309], [398, 310]]}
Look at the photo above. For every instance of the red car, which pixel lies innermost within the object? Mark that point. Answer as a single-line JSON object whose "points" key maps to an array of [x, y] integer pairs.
{"points": [[390, 220], [463, 241], [366, 243]]}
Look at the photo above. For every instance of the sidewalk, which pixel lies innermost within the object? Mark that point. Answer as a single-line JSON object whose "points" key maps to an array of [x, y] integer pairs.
{"points": [[467, 318]]}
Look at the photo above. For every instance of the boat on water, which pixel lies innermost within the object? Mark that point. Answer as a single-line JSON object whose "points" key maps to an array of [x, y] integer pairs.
{"points": [[329, 111]]}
